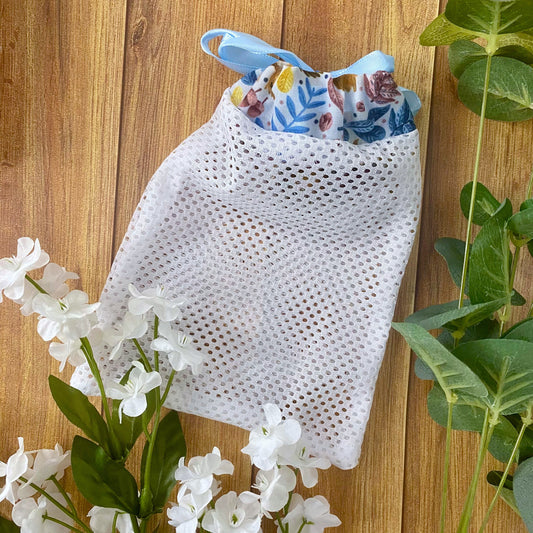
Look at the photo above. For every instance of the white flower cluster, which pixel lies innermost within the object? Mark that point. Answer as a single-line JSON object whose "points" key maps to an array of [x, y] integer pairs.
{"points": [[68, 317], [278, 450], [23, 472]]}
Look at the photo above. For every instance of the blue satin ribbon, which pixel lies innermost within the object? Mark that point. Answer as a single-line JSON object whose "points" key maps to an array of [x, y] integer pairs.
{"points": [[244, 53]]}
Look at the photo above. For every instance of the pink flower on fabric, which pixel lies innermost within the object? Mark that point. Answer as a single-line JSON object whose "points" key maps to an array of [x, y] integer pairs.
{"points": [[380, 87], [325, 122]]}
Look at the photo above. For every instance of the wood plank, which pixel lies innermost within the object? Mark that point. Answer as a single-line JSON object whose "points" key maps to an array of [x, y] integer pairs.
{"points": [[60, 83], [170, 89], [331, 35], [506, 162]]}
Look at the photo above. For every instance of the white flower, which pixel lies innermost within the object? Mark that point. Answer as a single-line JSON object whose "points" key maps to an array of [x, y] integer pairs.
{"points": [[274, 486], [165, 309], [53, 282], [184, 517], [234, 514], [69, 350], [133, 393], [102, 520], [178, 347], [14, 269], [47, 463], [266, 441], [71, 317], [297, 456], [198, 475], [132, 327], [15, 467], [30, 515], [313, 512]]}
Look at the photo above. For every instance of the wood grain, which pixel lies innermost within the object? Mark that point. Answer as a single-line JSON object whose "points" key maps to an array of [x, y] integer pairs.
{"points": [[61, 80]]}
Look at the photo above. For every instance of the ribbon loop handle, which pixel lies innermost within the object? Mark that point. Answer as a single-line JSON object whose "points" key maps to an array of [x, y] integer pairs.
{"points": [[243, 53]]}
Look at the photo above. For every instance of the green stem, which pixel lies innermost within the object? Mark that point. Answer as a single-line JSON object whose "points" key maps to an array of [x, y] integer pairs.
{"points": [[506, 312], [167, 388], [444, 498], [474, 182], [156, 334], [486, 435], [35, 284], [61, 523], [64, 494], [134, 524], [146, 494], [144, 359], [504, 477], [114, 526], [59, 505]]}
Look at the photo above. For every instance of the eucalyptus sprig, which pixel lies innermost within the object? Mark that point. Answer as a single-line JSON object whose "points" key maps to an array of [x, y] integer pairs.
{"points": [[482, 369]]}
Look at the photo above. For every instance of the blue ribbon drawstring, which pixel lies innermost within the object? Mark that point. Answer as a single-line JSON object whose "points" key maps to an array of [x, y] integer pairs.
{"points": [[243, 53]]}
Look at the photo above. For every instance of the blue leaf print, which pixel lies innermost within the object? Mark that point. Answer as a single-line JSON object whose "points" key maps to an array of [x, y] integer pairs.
{"points": [[250, 78], [301, 96], [273, 126], [401, 122], [308, 87], [304, 118], [259, 122], [360, 126], [297, 129], [345, 135], [404, 114], [377, 112], [376, 134], [291, 107], [319, 103], [280, 117], [318, 92]]}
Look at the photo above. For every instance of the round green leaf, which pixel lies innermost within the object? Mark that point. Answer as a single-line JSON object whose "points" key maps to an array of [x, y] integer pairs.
{"points": [[505, 367], [442, 31], [521, 223], [7, 526], [516, 52], [485, 204], [491, 16], [462, 54], [493, 478], [522, 331], [510, 91], [522, 483]]}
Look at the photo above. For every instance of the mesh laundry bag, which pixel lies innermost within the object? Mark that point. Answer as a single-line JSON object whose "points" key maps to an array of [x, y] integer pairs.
{"points": [[287, 221]]}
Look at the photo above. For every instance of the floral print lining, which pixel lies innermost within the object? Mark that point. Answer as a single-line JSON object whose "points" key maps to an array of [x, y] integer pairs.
{"points": [[357, 109]]}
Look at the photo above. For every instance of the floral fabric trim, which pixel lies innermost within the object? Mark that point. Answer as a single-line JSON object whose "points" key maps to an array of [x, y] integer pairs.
{"points": [[356, 109]]}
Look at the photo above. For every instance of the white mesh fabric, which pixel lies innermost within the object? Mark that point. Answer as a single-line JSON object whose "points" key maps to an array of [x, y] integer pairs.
{"points": [[290, 250]]}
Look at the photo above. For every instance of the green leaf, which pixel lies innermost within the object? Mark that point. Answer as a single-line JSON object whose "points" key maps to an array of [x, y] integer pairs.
{"points": [[169, 447], [467, 417], [505, 367], [101, 480], [130, 429], [453, 318], [7, 526], [454, 377], [453, 251], [462, 54], [521, 223], [493, 478], [516, 52], [522, 483], [489, 16], [521, 330], [441, 31], [80, 411], [521, 40], [490, 258], [485, 204], [422, 371], [510, 91]]}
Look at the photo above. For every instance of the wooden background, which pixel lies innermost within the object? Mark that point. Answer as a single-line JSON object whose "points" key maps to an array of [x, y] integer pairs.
{"points": [[95, 93]]}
